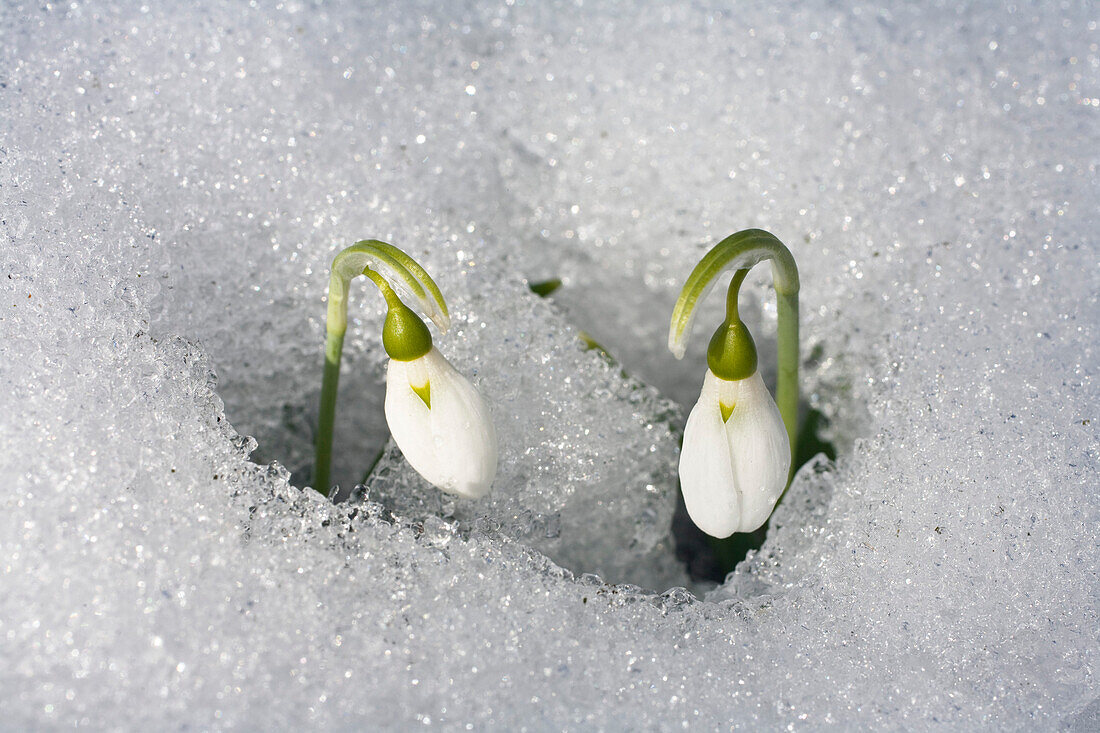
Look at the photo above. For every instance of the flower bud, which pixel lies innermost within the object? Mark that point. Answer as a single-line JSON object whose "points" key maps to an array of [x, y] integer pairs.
{"points": [[441, 424], [736, 456]]}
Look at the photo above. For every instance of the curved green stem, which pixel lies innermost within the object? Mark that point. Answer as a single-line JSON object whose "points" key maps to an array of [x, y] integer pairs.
{"points": [[741, 251], [732, 292], [388, 293], [374, 259]]}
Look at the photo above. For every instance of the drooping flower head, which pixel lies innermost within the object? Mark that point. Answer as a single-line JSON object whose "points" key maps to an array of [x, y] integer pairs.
{"points": [[736, 456], [437, 418]]}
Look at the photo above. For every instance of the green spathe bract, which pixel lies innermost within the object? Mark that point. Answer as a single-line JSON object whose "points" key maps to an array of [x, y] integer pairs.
{"points": [[404, 335], [740, 252], [396, 268]]}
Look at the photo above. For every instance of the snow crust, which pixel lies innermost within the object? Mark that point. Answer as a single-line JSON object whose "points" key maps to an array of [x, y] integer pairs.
{"points": [[175, 182]]}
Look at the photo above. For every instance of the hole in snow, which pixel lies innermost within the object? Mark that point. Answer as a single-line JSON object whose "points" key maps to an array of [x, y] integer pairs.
{"points": [[361, 433], [629, 324]]}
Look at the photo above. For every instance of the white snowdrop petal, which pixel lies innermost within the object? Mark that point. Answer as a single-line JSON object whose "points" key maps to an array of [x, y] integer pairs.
{"points": [[462, 431], [732, 473], [760, 452], [706, 475], [409, 421]]}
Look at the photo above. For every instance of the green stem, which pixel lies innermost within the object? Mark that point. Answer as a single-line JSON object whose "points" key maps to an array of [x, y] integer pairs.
{"points": [[334, 346], [373, 464], [335, 327], [732, 292], [392, 301], [786, 387]]}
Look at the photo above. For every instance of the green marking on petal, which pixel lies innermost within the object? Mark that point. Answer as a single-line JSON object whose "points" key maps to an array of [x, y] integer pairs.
{"points": [[424, 392], [727, 410]]}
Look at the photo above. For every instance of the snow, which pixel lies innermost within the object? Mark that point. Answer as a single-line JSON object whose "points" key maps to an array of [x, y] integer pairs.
{"points": [[174, 183]]}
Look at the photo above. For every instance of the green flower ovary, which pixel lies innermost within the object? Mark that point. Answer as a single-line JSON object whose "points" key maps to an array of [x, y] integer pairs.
{"points": [[404, 335], [731, 354]]}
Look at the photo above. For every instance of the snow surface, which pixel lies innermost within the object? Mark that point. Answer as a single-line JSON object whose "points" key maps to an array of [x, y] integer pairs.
{"points": [[174, 183]]}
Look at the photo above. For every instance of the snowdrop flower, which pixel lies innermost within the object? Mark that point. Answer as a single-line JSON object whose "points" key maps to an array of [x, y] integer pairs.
{"points": [[437, 418], [441, 424], [736, 457]]}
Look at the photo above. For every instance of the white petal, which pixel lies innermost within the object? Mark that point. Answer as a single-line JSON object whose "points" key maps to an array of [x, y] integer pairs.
{"points": [[760, 450], [453, 445], [706, 473], [462, 430], [410, 421]]}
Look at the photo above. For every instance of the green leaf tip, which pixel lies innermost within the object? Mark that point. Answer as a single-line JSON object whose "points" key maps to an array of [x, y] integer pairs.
{"points": [[544, 288]]}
